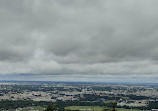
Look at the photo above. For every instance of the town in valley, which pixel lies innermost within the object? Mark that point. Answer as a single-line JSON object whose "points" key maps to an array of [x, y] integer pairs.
{"points": [[77, 95]]}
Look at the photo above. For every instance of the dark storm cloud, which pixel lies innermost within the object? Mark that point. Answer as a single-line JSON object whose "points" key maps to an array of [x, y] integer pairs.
{"points": [[79, 37]]}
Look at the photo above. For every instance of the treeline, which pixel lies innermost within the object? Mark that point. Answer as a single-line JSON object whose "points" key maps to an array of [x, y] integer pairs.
{"points": [[7, 104], [94, 97]]}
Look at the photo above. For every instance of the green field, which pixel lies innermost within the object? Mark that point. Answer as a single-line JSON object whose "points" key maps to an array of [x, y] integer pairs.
{"points": [[94, 108], [81, 108]]}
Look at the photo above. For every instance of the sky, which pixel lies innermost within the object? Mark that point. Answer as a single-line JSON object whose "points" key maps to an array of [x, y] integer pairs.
{"points": [[79, 40]]}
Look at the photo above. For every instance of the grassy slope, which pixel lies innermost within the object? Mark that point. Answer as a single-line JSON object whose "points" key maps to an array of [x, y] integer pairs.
{"points": [[95, 108]]}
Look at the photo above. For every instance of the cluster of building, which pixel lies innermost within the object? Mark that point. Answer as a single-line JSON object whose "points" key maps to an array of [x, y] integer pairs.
{"points": [[7, 92]]}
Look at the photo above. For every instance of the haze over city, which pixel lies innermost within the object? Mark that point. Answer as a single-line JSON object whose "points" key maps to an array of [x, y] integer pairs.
{"points": [[79, 40]]}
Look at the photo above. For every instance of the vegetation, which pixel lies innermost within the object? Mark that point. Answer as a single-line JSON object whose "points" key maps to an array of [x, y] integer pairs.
{"points": [[153, 104], [51, 108], [95, 108], [60, 105]]}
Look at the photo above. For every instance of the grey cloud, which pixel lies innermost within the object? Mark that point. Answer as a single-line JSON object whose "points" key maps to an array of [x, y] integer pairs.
{"points": [[79, 37]]}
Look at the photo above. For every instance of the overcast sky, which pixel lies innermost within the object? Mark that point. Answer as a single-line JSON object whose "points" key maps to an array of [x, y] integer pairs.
{"points": [[84, 40]]}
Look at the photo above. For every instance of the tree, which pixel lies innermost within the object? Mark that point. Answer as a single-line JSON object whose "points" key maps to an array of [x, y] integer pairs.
{"points": [[106, 109], [51, 108], [114, 105]]}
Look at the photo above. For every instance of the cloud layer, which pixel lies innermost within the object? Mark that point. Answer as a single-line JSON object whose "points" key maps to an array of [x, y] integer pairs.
{"points": [[79, 37]]}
